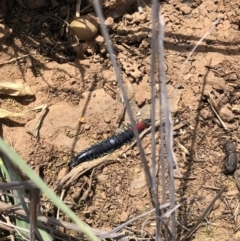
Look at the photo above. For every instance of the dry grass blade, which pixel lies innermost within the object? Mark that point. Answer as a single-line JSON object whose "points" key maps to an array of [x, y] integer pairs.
{"points": [[81, 169], [204, 215], [215, 110], [21, 194], [55, 222], [109, 46], [15, 89], [17, 185], [34, 198], [163, 206], [15, 59], [8, 114]]}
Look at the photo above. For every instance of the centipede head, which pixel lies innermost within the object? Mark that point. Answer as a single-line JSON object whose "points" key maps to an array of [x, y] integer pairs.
{"points": [[147, 122]]}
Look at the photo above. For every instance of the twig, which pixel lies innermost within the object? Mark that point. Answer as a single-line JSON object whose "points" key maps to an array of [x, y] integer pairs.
{"points": [[215, 110], [154, 57], [204, 215], [44, 110], [78, 6], [123, 91], [61, 198], [17, 185], [120, 227], [52, 221], [15, 59], [168, 126]]}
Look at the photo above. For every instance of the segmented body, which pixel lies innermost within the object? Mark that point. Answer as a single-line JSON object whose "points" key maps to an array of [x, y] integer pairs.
{"points": [[108, 145]]}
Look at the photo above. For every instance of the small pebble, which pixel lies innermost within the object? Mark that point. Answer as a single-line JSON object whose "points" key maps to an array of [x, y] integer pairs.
{"points": [[230, 160], [62, 173], [124, 217], [87, 127], [107, 119], [65, 158]]}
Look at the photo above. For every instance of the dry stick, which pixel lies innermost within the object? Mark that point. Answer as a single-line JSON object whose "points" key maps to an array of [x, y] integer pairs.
{"points": [[215, 110], [44, 110], [168, 126], [53, 221], [20, 195], [17, 185], [120, 227], [120, 82], [15, 59], [205, 213], [61, 198], [154, 189], [78, 6]]}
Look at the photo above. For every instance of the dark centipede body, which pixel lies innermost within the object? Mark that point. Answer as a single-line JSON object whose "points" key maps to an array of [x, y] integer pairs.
{"points": [[108, 145]]}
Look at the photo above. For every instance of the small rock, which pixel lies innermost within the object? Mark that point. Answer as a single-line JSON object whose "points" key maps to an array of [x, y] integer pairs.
{"points": [[230, 160], [217, 83], [104, 136], [107, 119], [236, 109], [185, 9], [139, 98], [138, 184], [226, 25], [207, 22], [205, 114], [124, 217], [99, 39], [5, 32], [109, 22], [215, 58], [148, 96], [87, 127], [108, 75], [103, 195], [65, 158], [118, 189], [120, 8], [62, 173], [226, 114]]}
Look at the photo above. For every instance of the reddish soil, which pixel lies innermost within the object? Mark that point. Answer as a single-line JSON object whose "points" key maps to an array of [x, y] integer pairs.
{"points": [[81, 85]]}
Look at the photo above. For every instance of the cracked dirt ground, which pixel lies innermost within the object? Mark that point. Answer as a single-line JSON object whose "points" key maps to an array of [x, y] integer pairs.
{"points": [[85, 86]]}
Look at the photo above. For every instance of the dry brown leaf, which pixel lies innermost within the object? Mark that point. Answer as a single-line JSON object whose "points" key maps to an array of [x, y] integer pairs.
{"points": [[15, 89], [8, 114]]}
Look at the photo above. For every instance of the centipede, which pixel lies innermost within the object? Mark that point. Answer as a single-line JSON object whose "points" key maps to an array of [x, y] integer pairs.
{"points": [[108, 145]]}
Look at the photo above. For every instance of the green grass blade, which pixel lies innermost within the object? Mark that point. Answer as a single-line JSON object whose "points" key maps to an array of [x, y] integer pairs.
{"points": [[25, 168], [19, 223]]}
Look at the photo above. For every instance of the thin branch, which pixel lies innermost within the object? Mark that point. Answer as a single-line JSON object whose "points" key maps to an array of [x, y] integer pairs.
{"points": [[120, 82], [204, 215]]}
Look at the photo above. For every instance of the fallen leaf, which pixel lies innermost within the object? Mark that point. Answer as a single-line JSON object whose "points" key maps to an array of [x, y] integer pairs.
{"points": [[15, 89]]}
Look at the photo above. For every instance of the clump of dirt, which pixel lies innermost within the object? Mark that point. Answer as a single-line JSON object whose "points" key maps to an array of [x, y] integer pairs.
{"points": [[79, 86]]}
